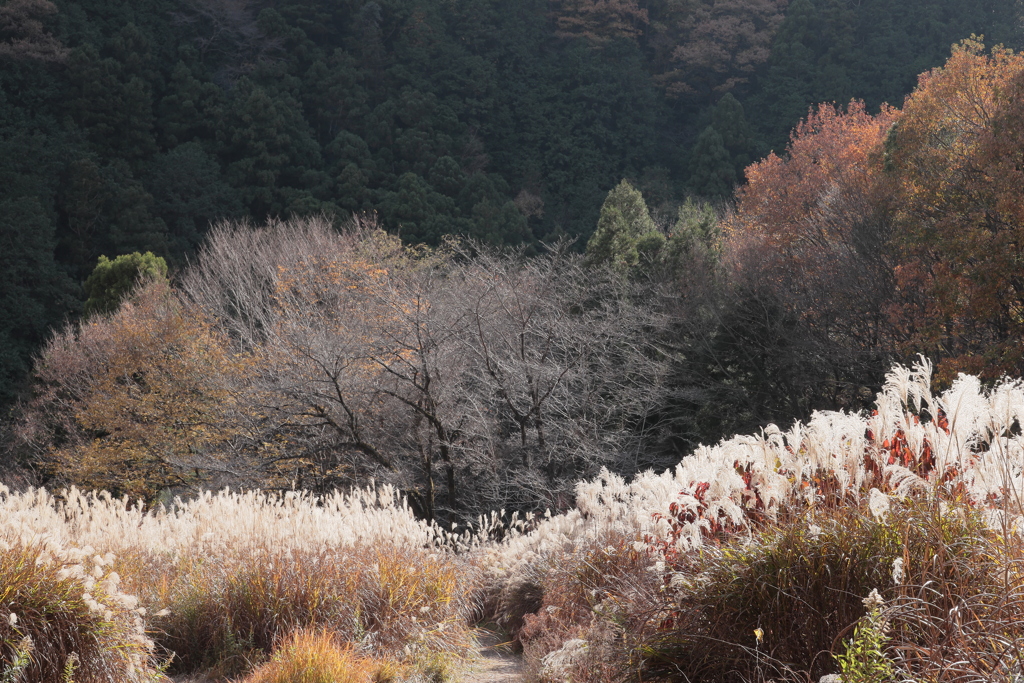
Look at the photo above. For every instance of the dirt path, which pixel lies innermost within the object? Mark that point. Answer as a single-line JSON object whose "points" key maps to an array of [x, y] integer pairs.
{"points": [[496, 662]]}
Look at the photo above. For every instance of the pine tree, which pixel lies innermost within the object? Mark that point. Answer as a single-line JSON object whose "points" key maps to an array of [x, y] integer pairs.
{"points": [[731, 123], [35, 294], [624, 230], [713, 174]]}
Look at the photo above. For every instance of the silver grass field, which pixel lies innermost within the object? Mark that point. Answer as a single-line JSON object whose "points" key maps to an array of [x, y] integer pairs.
{"points": [[679, 575]]}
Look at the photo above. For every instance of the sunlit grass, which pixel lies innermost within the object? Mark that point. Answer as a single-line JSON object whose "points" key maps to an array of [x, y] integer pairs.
{"points": [[63, 612], [321, 657], [225, 578]]}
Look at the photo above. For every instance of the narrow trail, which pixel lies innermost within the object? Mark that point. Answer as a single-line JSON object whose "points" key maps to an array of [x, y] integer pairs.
{"points": [[496, 662]]}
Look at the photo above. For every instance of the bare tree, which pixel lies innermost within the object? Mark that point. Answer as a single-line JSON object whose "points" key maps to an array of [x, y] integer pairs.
{"points": [[302, 297], [563, 358], [502, 378], [424, 367]]}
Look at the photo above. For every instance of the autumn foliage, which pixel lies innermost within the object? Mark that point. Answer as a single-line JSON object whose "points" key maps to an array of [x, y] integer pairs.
{"points": [[720, 43], [829, 160], [900, 231], [599, 21], [140, 399], [955, 159]]}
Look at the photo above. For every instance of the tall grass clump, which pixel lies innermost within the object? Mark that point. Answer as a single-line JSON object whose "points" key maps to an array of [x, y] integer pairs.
{"points": [[226, 576], [406, 604], [782, 602], [319, 657], [768, 544], [63, 616]]}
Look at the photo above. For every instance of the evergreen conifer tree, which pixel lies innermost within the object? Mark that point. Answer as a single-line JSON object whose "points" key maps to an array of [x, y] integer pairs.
{"points": [[113, 280], [731, 123], [713, 173], [625, 230]]}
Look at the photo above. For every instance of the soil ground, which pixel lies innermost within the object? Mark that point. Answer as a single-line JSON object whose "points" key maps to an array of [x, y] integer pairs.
{"points": [[495, 663]]}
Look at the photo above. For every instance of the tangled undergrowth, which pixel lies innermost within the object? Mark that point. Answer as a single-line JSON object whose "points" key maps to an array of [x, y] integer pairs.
{"points": [[879, 547]]}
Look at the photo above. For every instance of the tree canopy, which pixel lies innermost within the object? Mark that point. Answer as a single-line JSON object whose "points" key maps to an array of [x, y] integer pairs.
{"points": [[113, 280]]}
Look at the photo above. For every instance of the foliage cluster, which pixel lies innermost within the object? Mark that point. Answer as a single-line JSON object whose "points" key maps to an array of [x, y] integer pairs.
{"points": [[112, 281], [139, 398], [896, 233]]}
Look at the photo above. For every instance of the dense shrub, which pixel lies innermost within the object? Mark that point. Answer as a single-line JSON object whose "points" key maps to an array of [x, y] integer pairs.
{"points": [[786, 533], [785, 601], [592, 607]]}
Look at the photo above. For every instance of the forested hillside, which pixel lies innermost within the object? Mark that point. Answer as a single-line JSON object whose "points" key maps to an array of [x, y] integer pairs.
{"points": [[301, 354], [131, 126]]}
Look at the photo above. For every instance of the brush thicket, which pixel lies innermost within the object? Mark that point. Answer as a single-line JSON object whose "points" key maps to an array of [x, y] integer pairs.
{"points": [[801, 583], [588, 612]]}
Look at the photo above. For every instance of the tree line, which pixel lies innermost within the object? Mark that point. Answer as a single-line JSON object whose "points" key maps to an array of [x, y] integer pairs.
{"points": [[296, 356], [133, 126], [474, 377]]}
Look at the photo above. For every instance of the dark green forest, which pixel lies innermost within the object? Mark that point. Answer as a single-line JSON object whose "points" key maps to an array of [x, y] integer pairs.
{"points": [[133, 126]]}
